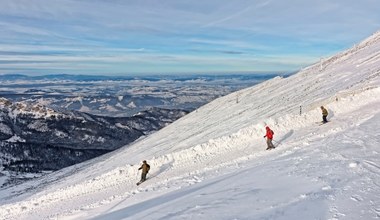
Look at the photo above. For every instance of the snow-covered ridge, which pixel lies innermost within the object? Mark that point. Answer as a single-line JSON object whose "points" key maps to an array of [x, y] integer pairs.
{"points": [[15, 108], [220, 136]]}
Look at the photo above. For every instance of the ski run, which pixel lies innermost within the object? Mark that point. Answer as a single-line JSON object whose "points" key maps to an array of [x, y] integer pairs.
{"points": [[212, 163]]}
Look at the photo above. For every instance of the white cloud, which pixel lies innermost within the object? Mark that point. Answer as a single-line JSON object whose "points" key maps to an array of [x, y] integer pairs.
{"points": [[101, 32]]}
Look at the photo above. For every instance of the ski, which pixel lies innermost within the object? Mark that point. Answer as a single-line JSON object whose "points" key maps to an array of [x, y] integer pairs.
{"points": [[139, 182], [323, 123]]}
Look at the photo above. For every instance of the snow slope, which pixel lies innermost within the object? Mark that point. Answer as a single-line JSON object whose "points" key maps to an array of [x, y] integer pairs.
{"points": [[212, 163]]}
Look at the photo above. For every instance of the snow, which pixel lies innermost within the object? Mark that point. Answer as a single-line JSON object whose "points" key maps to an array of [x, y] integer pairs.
{"points": [[92, 139], [119, 105], [109, 108], [120, 98], [5, 129], [39, 125], [61, 134], [212, 163], [84, 108], [131, 105], [15, 138], [119, 125]]}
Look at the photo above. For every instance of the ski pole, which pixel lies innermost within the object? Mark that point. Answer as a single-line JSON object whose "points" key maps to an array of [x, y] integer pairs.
{"points": [[278, 143]]}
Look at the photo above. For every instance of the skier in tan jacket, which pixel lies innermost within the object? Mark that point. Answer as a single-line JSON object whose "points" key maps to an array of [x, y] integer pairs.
{"points": [[324, 114], [145, 167]]}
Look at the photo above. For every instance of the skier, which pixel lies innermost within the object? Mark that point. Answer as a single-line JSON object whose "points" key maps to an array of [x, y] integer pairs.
{"points": [[269, 136], [145, 169], [324, 114]]}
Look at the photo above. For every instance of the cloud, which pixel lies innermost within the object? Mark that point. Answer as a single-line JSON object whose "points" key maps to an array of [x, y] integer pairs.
{"points": [[243, 11], [148, 35]]}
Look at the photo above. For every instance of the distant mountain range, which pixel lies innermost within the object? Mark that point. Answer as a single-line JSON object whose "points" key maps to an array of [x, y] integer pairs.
{"points": [[122, 95], [35, 138], [180, 77]]}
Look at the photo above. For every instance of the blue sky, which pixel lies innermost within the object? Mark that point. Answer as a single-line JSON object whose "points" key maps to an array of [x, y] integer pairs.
{"points": [[124, 37]]}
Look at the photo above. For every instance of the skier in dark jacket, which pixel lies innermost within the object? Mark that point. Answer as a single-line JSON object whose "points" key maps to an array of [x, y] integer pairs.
{"points": [[324, 114], [269, 136], [145, 169]]}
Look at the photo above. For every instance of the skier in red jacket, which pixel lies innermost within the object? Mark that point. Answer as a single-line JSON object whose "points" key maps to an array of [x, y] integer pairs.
{"points": [[269, 136]]}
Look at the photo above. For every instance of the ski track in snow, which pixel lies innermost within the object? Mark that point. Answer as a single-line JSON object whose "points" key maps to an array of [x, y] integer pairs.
{"points": [[335, 165]]}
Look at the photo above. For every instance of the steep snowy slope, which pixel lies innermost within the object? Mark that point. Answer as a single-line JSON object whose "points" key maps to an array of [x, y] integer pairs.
{"points": [[212, 163]]}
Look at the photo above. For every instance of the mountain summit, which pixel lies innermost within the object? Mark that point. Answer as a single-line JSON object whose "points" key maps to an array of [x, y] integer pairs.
{"points": [[212, 163]]}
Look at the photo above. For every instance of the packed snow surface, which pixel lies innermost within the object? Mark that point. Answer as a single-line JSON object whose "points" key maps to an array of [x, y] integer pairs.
{"points": [[212, 163]]}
